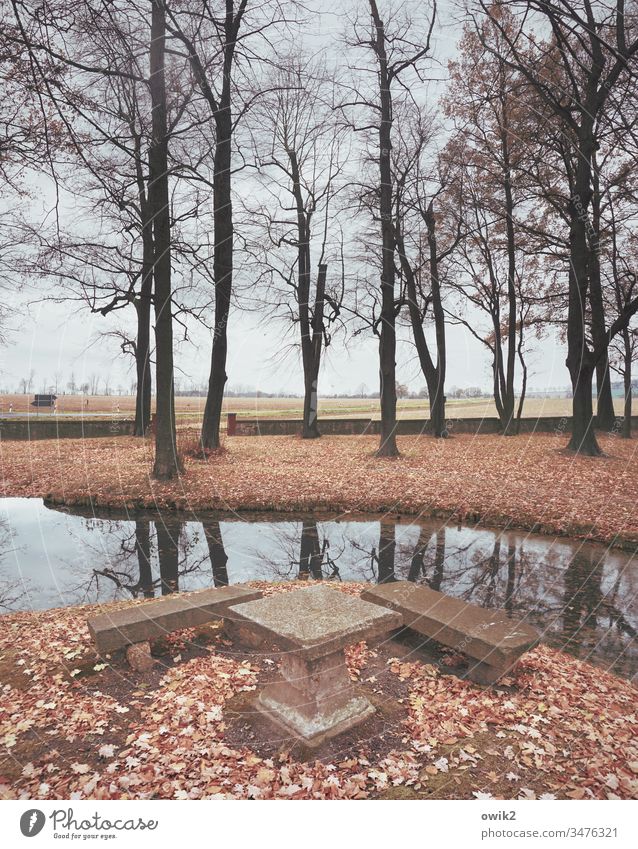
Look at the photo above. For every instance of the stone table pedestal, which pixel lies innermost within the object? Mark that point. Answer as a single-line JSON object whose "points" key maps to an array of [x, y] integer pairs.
{"points": [[313, 698]]}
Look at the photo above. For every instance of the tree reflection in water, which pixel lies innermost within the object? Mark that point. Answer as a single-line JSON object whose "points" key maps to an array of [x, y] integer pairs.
{"points": [[580, 596]]}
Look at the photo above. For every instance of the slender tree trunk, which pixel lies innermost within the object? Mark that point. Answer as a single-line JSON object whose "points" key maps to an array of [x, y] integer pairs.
{"points": [[508, 398], [434, 374], [143, 549], [511, 579], [143, 342], [216, 553], [387, 329], [311, 344], [521, 400], [626, 422], [605, 413], [310, 552], [166, 459], [417, 564], [436, 388], [439, 560], [223, 273]]}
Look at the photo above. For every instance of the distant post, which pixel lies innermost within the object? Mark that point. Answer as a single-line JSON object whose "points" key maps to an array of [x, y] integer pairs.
{"points": [[231, 424]]}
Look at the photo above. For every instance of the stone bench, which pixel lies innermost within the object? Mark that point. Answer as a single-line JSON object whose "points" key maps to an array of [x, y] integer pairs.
{"points": [[487, 636], [134, 627]]}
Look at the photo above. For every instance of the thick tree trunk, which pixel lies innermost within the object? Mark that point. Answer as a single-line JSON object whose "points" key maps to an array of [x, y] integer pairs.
{"points": [[216, 553], [166, 460], [583, 439], [605, 413], [168, 537], [579, 357], [387, 547], [387, 322], [310, 428]]}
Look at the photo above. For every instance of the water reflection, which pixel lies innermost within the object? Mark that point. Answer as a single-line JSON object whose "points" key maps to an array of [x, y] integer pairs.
{"points": [[581, 596]]}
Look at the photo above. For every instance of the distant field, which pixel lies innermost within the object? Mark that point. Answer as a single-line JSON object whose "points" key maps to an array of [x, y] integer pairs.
{"points": [[190, 408]]}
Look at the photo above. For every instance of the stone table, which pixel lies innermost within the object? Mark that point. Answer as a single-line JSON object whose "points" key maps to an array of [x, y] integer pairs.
{"points": [[313, 697]]}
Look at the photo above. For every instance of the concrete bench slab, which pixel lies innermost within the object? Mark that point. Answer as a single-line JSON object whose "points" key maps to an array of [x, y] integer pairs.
{"points": [[488, 636], [313, 698], [158, 617]]}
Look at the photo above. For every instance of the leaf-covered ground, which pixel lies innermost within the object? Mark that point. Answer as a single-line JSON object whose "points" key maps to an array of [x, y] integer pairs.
{"points": [[528, 481], [76, 726]]}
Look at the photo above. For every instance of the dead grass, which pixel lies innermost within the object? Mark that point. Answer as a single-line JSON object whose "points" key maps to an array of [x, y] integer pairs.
{"points": [[527, 481]]}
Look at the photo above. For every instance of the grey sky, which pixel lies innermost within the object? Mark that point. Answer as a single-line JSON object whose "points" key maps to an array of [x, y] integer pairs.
{"points": [[56, 339]]}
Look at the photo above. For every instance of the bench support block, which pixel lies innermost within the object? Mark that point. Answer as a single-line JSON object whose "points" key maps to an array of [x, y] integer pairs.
{"points": [[482, 673], [139, 656], [238, 632]]}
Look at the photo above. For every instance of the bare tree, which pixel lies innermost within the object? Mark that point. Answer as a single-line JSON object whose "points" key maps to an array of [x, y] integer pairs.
{"points": [[299, 150], [422, 205], [398, 48], [224, 43], [592, 49]]}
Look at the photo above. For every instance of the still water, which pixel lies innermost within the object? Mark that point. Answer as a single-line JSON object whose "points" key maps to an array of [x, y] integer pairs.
{"points": [[581, 596]]}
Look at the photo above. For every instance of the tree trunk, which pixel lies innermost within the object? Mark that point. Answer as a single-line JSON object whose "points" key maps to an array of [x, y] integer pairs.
{"points": [[439, 561], [417, 564], [579, 357], [626, 422], [387, 546], [311, 343], [387, 330], [583, 439], [216, 553], [310, 428], [511, 579], [168, 537], [166, 460], [223, 273], [508, 399], [143, 346], [434, 374], [143, 549], [310, 552], [605, 413], [436, 388]]}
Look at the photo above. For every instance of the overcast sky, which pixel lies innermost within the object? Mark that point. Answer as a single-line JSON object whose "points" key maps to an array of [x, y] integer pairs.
{"points": [[55, 339]]}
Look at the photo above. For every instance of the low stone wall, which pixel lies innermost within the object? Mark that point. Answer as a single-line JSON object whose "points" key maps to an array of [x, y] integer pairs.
{"points": [[63, 428], [405, 427]]}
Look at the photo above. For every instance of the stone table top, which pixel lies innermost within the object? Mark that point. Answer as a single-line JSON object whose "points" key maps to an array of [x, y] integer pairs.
{"points": [[317, 620]]}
